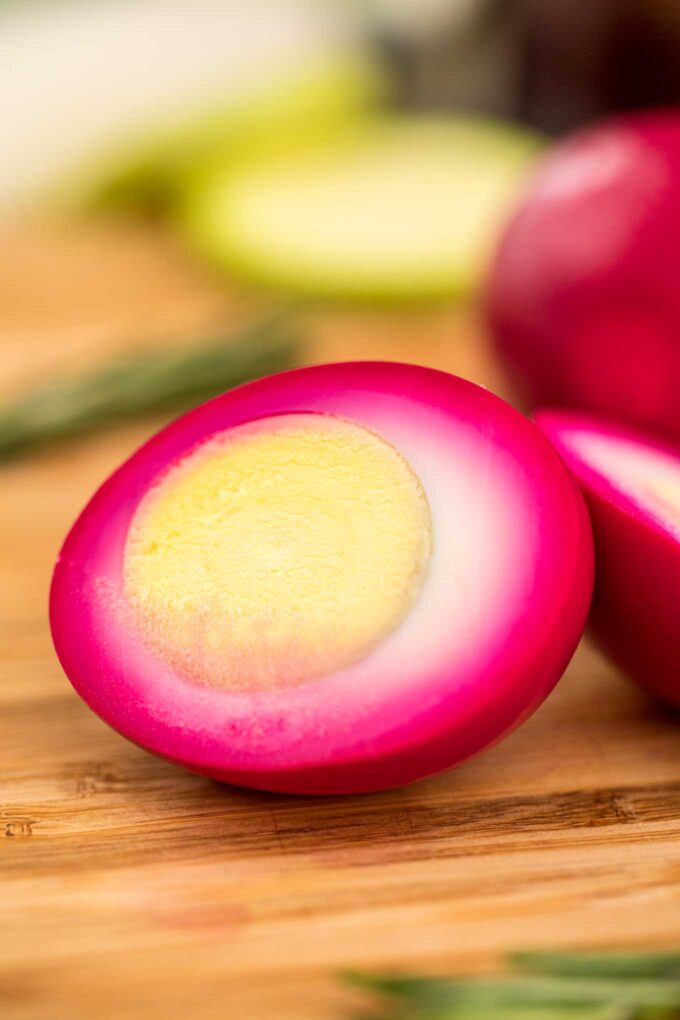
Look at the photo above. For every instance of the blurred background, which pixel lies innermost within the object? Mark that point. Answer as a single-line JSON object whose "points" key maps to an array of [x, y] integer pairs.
{"points": [[171, 170]]}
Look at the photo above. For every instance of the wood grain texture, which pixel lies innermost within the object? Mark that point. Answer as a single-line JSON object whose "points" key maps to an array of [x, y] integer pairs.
{"points": [[132, 889]]}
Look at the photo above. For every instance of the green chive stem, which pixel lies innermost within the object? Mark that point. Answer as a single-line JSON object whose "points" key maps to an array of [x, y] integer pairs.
{"points": [[144, 383]]}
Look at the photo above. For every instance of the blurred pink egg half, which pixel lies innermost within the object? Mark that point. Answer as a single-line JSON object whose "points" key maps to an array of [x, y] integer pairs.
{"points": [[632, 488], [583, 297]]}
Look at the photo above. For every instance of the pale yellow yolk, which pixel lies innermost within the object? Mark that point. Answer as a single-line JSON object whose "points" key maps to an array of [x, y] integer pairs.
{"points": [[280, 552]]}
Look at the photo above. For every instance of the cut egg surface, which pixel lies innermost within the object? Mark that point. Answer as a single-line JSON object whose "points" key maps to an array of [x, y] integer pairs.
{"points": [[632, 487], [648, 477], [332, 580]]}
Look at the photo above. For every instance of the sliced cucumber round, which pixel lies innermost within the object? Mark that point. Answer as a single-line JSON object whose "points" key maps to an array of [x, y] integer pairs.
{"points": [[400, 208]]}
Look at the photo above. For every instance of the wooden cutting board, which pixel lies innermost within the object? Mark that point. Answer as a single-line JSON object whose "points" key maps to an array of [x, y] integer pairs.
{"points": [[131, 889]]}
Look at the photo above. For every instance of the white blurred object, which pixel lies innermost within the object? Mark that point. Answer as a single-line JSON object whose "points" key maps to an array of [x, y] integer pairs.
{"points": [[76, 75]]}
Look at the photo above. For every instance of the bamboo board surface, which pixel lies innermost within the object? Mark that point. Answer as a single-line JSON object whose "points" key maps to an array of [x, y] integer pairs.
{"points": [[132, 889]]}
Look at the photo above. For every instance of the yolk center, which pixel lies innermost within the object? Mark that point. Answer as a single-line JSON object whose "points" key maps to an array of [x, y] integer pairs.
{"points": [[278, 552]]}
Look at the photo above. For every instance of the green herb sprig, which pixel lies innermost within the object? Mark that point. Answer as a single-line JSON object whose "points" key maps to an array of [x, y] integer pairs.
{"points": [[552, 986], [148, 382]]}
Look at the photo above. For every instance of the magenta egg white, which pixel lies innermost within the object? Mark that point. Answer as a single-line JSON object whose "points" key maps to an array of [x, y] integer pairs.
{"points": [[583, 297], [332, 580], [632, 488]]}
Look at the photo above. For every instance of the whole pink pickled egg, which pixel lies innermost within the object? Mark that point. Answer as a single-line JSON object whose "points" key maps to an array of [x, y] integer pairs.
{"points": [[583, 298], [331, 580], [632, 488]]}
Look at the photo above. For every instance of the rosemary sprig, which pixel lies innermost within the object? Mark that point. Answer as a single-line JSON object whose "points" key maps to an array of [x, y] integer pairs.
{"points": [[524, 991], [509, 1012], [557, 986], [143, 383], [624, 965]]}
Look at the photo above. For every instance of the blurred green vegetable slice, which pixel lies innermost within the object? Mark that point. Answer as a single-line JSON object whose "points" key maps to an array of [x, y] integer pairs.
{"points": [[148, 171], [392, 209]]}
